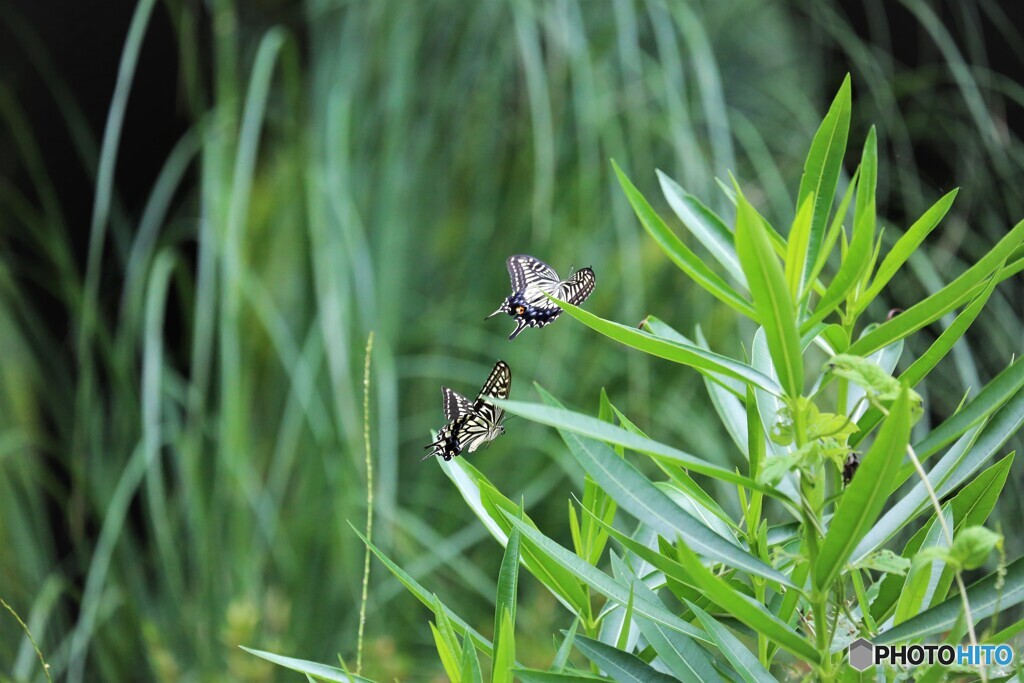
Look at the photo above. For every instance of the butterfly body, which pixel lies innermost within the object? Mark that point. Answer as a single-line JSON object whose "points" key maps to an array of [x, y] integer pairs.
{"points": [[532, 282], [472, 424]]}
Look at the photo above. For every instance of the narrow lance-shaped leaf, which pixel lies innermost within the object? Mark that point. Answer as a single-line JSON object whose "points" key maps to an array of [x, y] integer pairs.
{"points": [[684, 658], [586, 425], [796, 251], [863, 499], [685, 354], [703, 224], [821, 171], [771, 298], [750, 612], [641, 498], [943, 301], [321, 671], [602, 583], [992, 593], [622, 666], [505, 611], [857, 257], [680, 254], [904, 247], [743, 660], [427, 598], [920, 368]]}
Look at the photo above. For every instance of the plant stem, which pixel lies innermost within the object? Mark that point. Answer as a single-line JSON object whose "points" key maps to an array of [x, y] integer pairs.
{"points": [[369, 503], [948, 533]]}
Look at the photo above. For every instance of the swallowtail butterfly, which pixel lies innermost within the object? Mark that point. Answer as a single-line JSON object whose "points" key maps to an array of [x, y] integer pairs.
{"points": [[472, 423], [531, 279]]}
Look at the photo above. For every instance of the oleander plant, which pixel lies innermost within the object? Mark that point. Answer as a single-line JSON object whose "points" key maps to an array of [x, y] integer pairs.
{"points": [[661, 581]]}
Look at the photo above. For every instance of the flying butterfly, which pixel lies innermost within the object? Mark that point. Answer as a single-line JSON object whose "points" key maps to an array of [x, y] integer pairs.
{"points": [[531, 280], [472, 423]]}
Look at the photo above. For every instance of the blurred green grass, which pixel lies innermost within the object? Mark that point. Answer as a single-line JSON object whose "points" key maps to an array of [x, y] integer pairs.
{"points": [[176, 475]]}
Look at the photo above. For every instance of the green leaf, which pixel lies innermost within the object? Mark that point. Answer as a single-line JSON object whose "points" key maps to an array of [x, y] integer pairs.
{"points": [[924, 573], [973, 545], [796, 252], [885, 561], [822, 168], [504, 650], [505, 611], [562, 655], [622, 666], [863, 499], [749, 611], [685, 354], [662, 562], [774, 305], [704, 224], [641, 498], [585, 425], [743, 660], [992, 398], [943, 301], [470, 664], [538, 676], [486, 502], [444, 640], [879, 384], [986, 597], [427, 598], [320, 671], [678, 252], [684, 658], [969, 454], [855, 260], [920, 368], [904, 247], [833, 234], [602, 583]]}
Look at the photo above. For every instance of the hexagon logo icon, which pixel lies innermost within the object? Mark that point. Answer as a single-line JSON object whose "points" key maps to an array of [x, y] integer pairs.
{"points": [[862, 654]]}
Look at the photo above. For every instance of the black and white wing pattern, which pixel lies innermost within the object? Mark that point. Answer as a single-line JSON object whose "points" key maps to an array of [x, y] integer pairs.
{"points": [[472, 424], [531, 280], [525, 271], [455, 404], [578, 287], [498, 384]]}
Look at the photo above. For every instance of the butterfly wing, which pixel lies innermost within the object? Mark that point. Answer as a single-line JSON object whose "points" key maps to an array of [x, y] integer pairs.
{"points": [[577, 288], [498, 384], [526, 271], [455, 404]]}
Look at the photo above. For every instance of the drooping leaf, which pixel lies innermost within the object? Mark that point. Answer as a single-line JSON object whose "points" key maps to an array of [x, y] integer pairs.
{"points": [[692, 356], [320, 671], [704, 224], [678, 252]]}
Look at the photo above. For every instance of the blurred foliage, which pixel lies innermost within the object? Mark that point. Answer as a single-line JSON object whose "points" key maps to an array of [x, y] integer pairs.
{"points": [[181, 449]]}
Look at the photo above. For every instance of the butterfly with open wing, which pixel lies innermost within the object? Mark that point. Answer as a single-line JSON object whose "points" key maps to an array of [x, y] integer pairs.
{"points": [[531, 280], [472, 423]]}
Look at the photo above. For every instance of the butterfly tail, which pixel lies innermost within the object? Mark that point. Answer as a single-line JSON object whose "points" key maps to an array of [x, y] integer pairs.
{"points": [[520, 326], [435, 449]]}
